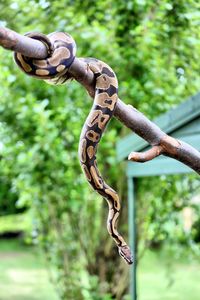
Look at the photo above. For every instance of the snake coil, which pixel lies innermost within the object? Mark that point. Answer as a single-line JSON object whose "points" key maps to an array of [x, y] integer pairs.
{"points": [[54, 69], [61, 54]]}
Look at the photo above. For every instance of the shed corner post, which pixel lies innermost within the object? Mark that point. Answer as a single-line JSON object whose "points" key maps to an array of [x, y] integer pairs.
{"points": [[132, 235]]}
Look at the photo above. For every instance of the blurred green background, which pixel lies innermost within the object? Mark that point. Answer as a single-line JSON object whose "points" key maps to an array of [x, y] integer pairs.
{"points": [[54, 243]]}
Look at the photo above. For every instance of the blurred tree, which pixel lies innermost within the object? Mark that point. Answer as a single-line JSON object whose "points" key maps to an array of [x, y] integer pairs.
{"points": [[148, 44]]}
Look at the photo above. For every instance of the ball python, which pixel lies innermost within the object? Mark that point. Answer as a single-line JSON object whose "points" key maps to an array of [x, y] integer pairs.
{"points": [[62, 50]]}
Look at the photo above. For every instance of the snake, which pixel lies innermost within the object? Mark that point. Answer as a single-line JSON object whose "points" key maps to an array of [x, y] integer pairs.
{"points": [[55, 70]]}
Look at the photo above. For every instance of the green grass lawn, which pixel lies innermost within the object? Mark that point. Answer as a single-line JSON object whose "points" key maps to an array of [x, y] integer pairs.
{"points": [[22, 273], [158, 281]]}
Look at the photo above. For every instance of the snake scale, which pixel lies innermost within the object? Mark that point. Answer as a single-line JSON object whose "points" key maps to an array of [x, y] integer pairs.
{"points": [[62, 50]]}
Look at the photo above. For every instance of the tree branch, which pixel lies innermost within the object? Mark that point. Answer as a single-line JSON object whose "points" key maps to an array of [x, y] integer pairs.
{"points": [[128, 115], [141, 125], [11, 40]]}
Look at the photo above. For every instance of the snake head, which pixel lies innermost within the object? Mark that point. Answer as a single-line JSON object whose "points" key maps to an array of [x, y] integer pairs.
{"points": [[125, 252]]}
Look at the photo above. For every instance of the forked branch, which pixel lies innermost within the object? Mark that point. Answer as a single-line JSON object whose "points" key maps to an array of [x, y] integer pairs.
{"points": [[161, 143]]}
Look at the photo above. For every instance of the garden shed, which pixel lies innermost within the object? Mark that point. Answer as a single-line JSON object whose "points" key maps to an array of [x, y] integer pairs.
{"points": [[182, 122]]}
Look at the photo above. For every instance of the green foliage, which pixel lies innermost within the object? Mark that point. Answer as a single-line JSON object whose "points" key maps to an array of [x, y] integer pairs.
{"points": [[164, 207], [16, 223], [9, 198], [153, 47]]}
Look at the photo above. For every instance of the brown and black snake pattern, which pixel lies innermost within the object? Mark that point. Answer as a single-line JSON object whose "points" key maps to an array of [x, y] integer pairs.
{"points": [[54, 69], [62, 50]]}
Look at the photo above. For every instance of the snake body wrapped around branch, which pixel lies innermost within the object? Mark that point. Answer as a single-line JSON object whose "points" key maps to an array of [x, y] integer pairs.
{"points": [[62, 49]]}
